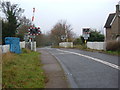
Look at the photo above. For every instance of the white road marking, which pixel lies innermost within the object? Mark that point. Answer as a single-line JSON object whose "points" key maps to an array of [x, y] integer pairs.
{"points": [[59, 53], [95, 59]]}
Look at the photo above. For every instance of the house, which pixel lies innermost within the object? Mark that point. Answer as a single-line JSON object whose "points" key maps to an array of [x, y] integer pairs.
{"points": [[112, 25]]}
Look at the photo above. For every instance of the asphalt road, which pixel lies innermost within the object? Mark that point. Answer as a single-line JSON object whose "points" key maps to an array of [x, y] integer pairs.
{"points": [[88, 69]]}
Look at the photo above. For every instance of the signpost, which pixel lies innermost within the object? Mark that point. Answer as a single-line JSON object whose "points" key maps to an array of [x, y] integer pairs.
{"points": [[63, 37], [86, 34], [32, 32]]}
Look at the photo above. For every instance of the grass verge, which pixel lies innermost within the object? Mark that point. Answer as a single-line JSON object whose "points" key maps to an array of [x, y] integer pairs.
{"points": [[83, 47], [22, 70], [113, 52]]}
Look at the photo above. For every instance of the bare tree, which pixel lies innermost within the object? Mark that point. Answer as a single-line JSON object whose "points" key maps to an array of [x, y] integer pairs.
{"points": [[61, 29], [25, 24]]}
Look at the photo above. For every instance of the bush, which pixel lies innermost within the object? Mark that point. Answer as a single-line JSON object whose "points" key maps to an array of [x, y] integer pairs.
{"points": [[113, 46], [78, 41], [82, 47]]}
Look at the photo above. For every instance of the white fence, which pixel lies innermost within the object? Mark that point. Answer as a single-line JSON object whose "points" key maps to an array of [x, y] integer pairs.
{"points": [[97, 45], [31, 45], [66, 44], [6, 48], [22, 44]]}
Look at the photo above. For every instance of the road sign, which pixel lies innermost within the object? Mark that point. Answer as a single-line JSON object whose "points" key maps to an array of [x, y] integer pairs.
{"points": [[26, 37], [86, 33], [63, 37], [85, 36], [86, 30]]}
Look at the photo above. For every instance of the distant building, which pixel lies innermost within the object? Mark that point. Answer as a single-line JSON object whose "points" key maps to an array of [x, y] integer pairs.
{"points": [[112, 25]]}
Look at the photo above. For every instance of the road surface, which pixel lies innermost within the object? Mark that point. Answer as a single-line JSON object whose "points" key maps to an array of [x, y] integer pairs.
{"points": [[88, 69]]}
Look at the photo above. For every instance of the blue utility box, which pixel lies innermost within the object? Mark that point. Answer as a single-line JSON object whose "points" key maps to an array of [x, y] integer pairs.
{"points": [[14, 44]]}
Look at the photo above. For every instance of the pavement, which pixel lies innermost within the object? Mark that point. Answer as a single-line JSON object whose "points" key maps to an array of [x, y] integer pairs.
{"points": [[53, 70]]}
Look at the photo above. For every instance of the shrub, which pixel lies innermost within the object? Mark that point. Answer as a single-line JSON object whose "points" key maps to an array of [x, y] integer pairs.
{"points": [[82, 47], [113, 45], [78, 41]]}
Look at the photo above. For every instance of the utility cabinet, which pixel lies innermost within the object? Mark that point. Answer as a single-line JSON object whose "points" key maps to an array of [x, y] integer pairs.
{"points": [[14, 44]]}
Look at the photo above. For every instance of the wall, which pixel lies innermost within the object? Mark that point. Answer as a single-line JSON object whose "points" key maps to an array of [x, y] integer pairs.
{"points": [[97, 45], [108, 34], [112, 32], [66, 44], [119, 25], [22, 44], [114, 29], [5, 48], [33, 46]]}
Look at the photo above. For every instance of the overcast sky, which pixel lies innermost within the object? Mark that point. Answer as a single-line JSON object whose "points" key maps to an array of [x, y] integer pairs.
{"points": [[78, 13]]}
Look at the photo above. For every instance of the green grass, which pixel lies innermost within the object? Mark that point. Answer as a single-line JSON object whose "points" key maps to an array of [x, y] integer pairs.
{"points": [[82, 47], [113, 52], [22, 71]]}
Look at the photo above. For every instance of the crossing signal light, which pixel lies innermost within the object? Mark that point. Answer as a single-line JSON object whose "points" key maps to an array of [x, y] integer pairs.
{"points": [[86, 30], [34, 31]]}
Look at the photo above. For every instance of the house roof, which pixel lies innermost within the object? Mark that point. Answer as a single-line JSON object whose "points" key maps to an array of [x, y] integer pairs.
{"points": [[109, 20]]}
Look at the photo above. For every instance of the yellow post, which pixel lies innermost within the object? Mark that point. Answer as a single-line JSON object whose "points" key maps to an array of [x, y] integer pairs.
{"points": [[85, 41]]}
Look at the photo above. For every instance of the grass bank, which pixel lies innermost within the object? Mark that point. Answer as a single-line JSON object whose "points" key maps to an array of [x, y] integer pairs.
{"points": [[83, 47], [22, 71]]}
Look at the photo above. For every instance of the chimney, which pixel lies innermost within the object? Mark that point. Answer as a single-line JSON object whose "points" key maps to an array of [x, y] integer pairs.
{"points": [[118, 8]]}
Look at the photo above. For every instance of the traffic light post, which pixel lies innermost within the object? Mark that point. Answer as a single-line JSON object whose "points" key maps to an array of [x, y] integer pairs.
{"points": [[86, 34], [33, 31], [33, 43]]}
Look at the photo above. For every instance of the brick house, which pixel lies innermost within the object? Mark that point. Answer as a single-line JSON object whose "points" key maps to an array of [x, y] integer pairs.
{"points": [[112, 25]]}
